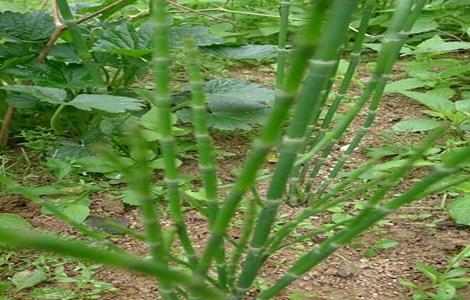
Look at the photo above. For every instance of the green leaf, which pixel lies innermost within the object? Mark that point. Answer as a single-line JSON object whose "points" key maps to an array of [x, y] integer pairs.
{"points": [[46, 94], [130, 196], [201, 35], [107, 103], [234, 104], [433, 101], [123, 39], [446, 291], [96, 164], [424, 24], [437, 44], [459, 210], [415, 125], [31, 26], [429, 271], [463, 106], [13, 221], [386, 244], [77, 212], [244, 52], [53, 293], [26, 279], [64, 53], [403, 85]]}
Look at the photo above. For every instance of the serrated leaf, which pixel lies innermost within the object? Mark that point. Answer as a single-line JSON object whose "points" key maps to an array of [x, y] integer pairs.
{"points": [[130, 196], [96, 164], [78, 213], [107, 103], [33, 26], [415, 125], [123, 39], [234, 104], [403, 85], [46, 94], [13, 221], [459, 210], [433, 101], [244, 52], [436, 44], [64, 53], [26, 279]]}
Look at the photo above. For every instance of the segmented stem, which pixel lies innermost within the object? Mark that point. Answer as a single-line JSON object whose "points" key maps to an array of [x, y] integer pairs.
{"points": [[162, 102]]}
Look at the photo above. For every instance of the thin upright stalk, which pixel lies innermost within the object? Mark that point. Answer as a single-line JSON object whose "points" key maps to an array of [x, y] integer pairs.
{"points": [[205, 145], [162, 102], [321, 68], [270, 132], [282, 41]]}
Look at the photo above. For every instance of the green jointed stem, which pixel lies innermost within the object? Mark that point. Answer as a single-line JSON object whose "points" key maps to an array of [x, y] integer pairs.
{"points": [[321, 67], [366, 219], [78, 249], [282, 41], [352, 66], [79, 43], [389, 51], [270, 132], [162, 101], [372, 109], [204, 143]]}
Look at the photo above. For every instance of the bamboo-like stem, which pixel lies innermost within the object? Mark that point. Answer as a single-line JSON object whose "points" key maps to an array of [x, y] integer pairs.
{"points": [[78, 249], [352, 66], [248, 225], [162, 101], [205, 145], [372, 109], [282, 42], [366, 219], [270, 132], [321, 67]]}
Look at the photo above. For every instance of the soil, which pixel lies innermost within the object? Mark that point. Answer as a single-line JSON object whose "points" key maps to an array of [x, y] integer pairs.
{"points": [[346, 275]]}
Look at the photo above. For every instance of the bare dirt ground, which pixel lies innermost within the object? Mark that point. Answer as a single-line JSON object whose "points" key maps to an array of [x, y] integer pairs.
{"points": [[346, 275]]}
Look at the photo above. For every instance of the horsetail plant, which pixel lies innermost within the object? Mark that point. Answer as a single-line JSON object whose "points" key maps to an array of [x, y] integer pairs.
{"points": [[304, 88]]}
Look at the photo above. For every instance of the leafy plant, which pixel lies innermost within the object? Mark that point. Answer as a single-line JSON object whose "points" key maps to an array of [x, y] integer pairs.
{"points": [[444, 285]]}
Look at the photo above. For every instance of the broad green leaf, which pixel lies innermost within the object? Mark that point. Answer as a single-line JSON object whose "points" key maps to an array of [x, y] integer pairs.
{"points": [[201, 35], [429, 271], [403, 85], [437, 44], [21, 100], [415, 125], [123, 39], [96, 164], [77, 212], [46, 94], [234, 104], [436, 103], [424, 24], [386, 244], [459, 210], [107, 103], [70, 149], [65, 53], [130, 196], [26, 279], [33, 26], [13, 221], [244, 52], [446, 291], [463, 106]]}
